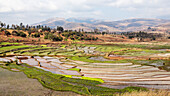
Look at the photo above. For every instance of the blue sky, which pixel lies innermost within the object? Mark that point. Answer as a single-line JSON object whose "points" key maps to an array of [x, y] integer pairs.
{"points": [[33, 11]]}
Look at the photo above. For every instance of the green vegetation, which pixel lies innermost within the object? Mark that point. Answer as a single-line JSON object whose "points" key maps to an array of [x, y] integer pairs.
{"points": [[145, 46], [21, 34], [7, 33], [52, 37], [62, 83], [18, 84], [142, 35], [80, 84], [86, 59], [36, 35], [141, 52], [75, 69], [7, 43], [13, 47], [77, 36], [115, 47], [128, 49], [94, 79], [44, 45], [63, 46]]}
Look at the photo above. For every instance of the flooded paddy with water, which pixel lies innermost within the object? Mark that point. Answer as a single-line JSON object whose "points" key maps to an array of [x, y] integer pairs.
{"points": [[116, 70]]}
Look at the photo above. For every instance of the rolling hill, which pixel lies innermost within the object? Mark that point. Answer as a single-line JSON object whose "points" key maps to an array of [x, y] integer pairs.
{"points": [[89, 24]]}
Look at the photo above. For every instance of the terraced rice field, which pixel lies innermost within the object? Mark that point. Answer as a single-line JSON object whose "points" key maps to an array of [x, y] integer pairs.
{"points": [[130, 75], [118, 66]]}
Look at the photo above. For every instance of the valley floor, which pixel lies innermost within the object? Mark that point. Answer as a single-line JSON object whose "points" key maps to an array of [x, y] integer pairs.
{"points": [[88, 69]]}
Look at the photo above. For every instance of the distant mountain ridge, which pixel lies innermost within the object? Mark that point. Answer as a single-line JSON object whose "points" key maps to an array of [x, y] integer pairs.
{"points": [[89, 24]]}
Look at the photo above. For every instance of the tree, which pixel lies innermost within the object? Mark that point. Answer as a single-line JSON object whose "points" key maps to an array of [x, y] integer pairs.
{"points": [[51, 36], [59, 28], [21, 25], [8, 26], [130, 37], [15, 33], [71, 37], [36, 35], [29, 33], [2, 25], [103, 33], [22, 34], [46, 37], [7, 33]]}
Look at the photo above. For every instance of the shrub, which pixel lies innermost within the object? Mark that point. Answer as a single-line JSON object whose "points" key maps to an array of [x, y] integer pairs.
{"points": [[15, 33], [46, 37], [29, 33], [2, 29], [7, 33], [37, 35], [57, 38], [130, 37], [22, 34]]}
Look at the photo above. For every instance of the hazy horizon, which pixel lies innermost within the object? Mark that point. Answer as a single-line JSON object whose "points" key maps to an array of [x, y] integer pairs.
{"points": [[33, 11]]}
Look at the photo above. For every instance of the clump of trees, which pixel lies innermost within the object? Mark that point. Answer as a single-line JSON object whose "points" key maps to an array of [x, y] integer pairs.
{"points": [[77, 36], [7, 33], [21, 34], [52, 37], [15, 33], [142, 35], [36, 35], [38, 30]]}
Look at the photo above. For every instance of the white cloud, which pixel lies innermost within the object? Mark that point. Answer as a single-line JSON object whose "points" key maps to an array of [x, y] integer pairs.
{"points": [[135, 3], [40, 5], [81, 8], [27, 5], [146, 7]]}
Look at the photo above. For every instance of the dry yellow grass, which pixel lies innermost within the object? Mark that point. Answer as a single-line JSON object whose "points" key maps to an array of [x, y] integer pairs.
{"points": [[147, 93]]}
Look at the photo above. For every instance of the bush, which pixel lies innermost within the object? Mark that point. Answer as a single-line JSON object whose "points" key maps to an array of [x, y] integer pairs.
{"points": [[15, 33], [65, 39], [2, 29], [7, 33], [46, 37], [29, 33], [59, 28], [57, 38], [71, 37], [37, 35], [53, 37], [22, 34]]}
